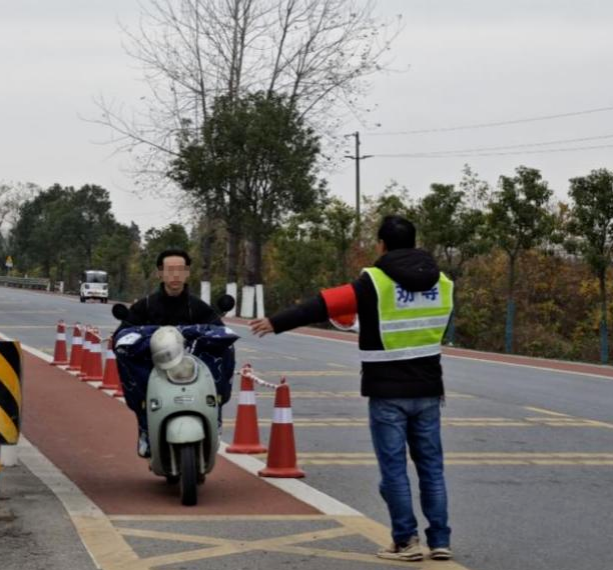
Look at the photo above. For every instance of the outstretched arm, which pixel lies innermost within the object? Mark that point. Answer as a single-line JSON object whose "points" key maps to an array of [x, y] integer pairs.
{"points": [[329, 303]]}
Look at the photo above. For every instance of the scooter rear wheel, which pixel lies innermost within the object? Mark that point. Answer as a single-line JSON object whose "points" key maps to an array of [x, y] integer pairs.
{"points": [[189, 475]]}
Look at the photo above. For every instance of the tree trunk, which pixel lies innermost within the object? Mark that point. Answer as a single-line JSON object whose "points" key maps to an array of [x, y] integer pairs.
{"points": [[508, 342], [253, 261], [233, 255], [206, 249], [207, 239], [604, 330], [253, 278]]}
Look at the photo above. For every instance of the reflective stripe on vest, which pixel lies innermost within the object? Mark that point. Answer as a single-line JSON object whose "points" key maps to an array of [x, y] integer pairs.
{"points": [[411, 325]]}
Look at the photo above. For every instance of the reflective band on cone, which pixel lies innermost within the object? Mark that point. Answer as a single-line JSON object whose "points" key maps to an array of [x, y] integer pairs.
{"points": [[60, 356], [281, 460], [246, 431], [87, 346], [76, 349], [94, 373]]}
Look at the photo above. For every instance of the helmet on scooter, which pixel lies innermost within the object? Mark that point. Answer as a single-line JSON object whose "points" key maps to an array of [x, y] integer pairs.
{"points": [[166, 347]]}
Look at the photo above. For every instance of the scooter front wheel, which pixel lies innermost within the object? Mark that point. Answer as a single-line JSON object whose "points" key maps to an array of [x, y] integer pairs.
{"points": [[189, 475]]}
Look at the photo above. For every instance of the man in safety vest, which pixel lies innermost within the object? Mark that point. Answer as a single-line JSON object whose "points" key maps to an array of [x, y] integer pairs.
{"points": [[403, 304]]}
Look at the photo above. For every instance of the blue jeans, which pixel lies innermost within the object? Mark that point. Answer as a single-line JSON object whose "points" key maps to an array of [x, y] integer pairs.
{"points": [[394, 423]]}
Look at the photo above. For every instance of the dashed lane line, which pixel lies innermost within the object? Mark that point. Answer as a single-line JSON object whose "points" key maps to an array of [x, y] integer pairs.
{"points": [[568, 418], [327, 394], [566, 422], [560, 459]]}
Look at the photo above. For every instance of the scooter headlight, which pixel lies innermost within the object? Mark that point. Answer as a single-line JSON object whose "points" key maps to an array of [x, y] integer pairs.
{"points": [[183, 373]]}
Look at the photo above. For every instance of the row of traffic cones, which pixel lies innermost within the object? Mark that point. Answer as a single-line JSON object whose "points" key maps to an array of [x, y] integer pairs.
{"points": [[86, 361], [281, 460], [86, 357]]}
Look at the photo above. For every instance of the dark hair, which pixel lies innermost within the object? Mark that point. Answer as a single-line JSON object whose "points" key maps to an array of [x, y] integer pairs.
{"points": [[173, 252], [397, 233]]}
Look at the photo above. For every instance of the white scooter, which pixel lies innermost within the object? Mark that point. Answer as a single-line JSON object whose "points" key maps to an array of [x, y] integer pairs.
{"points": [[182, 409]]}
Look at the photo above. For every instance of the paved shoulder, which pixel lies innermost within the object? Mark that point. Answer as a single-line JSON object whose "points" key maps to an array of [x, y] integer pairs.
{"points": [[36, 533]]}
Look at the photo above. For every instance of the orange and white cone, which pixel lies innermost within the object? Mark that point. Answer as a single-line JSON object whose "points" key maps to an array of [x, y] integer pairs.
{"points": [[60, 355], [246, 431], [94, 373], [87, 347], [76, 349], [110, 380], [281, 461]]}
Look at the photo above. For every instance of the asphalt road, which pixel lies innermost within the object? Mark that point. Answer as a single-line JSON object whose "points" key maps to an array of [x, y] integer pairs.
{"points": [[529, 451]]}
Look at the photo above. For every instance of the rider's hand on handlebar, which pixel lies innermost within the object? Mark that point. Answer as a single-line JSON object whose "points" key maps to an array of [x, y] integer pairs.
{"points": [[261, 327]]}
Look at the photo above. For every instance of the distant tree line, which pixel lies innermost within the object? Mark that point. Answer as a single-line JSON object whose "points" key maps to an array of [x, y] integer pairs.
{"points": [[532, 275]]}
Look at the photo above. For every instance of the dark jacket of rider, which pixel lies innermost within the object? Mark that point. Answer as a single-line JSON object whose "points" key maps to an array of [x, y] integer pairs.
{"points": [[159, 308]]}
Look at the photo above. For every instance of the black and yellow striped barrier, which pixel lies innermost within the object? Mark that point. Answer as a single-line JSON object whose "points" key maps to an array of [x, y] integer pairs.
{"points": [[10, 392]]}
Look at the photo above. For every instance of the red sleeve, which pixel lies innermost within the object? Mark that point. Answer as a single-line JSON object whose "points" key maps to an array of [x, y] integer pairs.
{"points": [[340, 301]]}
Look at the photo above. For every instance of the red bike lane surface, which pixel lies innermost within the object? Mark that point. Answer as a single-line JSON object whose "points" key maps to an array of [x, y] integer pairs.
{"points": [[91, 437]]}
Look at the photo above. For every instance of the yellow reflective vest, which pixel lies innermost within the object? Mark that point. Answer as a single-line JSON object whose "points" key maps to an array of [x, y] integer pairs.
{"points": [[411, 324]]}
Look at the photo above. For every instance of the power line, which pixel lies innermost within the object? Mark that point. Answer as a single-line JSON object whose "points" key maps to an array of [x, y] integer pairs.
{"points": [[513, 146], [493, 124], [468, 154]]}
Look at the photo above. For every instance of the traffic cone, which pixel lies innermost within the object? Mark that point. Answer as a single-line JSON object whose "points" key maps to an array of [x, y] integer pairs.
{"points": [[87, 347], [110, 380], [281, 461], [60, 356], [76, 349], [94, 374], [246, 431]]}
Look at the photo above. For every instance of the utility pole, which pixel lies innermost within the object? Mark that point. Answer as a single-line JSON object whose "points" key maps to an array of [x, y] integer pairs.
{"points": [[357, 157]]}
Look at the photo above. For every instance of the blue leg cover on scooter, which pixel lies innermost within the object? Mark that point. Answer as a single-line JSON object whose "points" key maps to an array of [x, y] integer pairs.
{"points": [[211, 343]]}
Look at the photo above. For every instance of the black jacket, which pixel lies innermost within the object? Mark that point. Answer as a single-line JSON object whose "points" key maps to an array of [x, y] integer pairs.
{"points": [[414, 270], [159, 308]]}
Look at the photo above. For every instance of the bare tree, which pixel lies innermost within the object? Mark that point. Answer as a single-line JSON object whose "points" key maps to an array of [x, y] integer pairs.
{"points": [[317, 53], [12, 196]]}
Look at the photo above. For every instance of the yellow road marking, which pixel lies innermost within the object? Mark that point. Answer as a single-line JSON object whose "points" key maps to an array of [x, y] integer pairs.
{"points": [[323, 394], [295, 544], [253, 358], [543, 411], [566, 417], [218, 518], [309, 373], [48, 327], [105, 544], [32, 311], [468, 458], [529, 422]]}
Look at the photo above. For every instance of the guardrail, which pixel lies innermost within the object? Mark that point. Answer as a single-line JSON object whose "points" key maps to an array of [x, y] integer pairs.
{"points": [[27, 282]]}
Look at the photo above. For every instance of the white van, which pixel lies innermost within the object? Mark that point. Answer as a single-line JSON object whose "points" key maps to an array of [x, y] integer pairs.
{"points": [[94, 285]]}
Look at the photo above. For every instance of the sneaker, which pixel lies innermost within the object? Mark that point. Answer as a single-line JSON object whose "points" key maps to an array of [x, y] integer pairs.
{"points": [[142, 447], [411, 552], [441, 553]]}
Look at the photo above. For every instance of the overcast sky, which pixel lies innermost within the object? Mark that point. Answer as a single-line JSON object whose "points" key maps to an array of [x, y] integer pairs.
{"points": [[467, 62]]}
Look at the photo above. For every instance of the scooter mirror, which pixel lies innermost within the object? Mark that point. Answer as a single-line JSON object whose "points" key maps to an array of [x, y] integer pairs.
{"points": [[120, 312], [225, 303]]}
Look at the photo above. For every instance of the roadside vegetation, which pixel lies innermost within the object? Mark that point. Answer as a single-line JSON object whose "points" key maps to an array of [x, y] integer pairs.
{"points": [[509, 244]]}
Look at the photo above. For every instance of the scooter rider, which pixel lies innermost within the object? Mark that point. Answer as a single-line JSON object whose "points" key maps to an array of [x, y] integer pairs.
{"points": [[172, 304]]}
